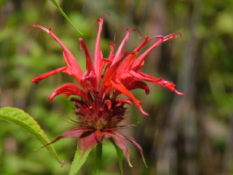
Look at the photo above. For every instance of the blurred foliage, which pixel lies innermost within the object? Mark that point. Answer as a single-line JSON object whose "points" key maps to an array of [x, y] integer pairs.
{"points": [[26, 52]]}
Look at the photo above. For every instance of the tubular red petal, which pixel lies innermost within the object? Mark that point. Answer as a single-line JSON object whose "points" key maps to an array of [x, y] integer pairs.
{"points": [[168, 84], [138, 84], [108, 103], [131, 83], [89, 64], [177, 92], [90, 72], [117, 59], [171, 36], [98, 52], [68, 89], [109, 75], [139, 62], [41, 27], [129, 60], [73, 67], [124, 101], [120, 87], [142, 111], [127, 64], [48, 74], [137, 65], [111, 54]]}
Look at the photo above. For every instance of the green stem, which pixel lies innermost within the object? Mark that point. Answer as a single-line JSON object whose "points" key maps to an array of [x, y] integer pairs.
{"points": [[98, 159], [66, 17]]}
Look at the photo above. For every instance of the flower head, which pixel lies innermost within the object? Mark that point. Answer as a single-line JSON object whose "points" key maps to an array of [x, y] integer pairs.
{"points": [[98, 107]]}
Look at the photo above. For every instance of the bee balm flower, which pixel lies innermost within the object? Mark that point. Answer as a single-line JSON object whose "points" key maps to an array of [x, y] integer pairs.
{"points": [[98, 105]]}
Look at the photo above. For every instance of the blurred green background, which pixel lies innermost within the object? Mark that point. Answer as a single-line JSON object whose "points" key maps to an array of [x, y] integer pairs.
{"points": [[187, 135]]}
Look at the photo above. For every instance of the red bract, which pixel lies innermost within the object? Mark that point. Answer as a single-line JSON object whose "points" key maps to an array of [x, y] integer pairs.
{"points": [[99, 108]]}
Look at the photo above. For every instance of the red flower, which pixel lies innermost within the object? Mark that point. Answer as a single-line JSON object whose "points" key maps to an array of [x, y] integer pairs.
{"points": [[99, 108]]}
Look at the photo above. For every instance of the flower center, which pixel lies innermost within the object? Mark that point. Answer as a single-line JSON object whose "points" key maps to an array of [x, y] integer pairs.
{"points": [[99, 112]]}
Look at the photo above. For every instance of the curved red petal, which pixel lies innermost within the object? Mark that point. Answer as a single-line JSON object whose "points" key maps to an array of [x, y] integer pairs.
{"points": [[168, 84], [90, 72], [137, 65], [48, 74], [130, 83], [73, 67], [109, 75], [117, 59], [68, 89], [171, 36], [177, 92], [129, 59], [124, 101], [108, 103], [120, 87], [112, 68], [138, 84], [142, 111], [111, 53], [98, 53]]}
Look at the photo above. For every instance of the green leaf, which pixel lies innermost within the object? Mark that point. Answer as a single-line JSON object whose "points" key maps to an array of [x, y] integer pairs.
{"points": [[66, 17], [24, 120], [79, 160], [119, 156]]}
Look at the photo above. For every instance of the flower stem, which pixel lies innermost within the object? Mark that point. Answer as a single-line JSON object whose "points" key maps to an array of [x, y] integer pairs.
{"points": [[66, 17], [98, 159]]}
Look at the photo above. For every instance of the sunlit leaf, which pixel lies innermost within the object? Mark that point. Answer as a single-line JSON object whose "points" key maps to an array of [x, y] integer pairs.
{"points": [[24, 120], [224, 23], [79, 160]]}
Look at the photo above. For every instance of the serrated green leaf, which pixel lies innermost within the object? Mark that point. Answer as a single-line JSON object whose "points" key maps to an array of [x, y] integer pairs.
{"points": [[79, 160], [24, 120], [119, 156]]}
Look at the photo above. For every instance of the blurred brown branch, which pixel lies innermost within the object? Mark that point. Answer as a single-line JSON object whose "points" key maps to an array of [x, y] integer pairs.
{"points": [[182, 116]]}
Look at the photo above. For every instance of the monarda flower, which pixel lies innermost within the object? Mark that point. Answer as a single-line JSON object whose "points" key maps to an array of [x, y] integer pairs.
{"points": [[99, 106]]}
